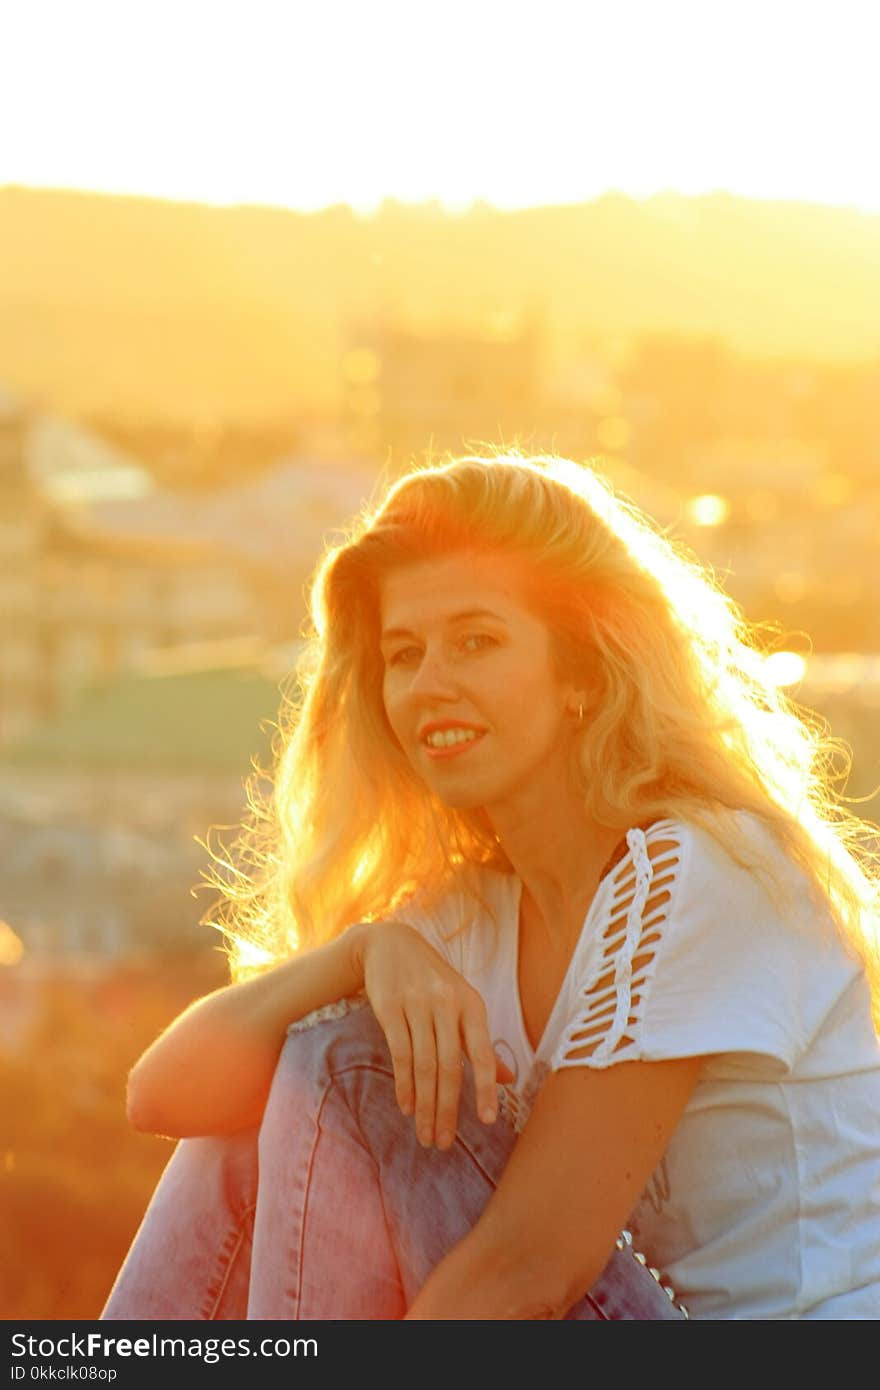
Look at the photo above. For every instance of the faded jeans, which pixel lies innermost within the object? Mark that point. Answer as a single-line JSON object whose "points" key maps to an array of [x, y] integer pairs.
{"points": [[332, 1209]]}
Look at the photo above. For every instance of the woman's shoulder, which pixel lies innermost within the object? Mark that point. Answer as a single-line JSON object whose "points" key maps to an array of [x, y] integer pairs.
{"points": [[730, 847], [728, 895], [741, 901], [720, 945]]}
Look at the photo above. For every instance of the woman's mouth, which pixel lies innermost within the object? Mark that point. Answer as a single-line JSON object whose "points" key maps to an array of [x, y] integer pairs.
{"points": [[451, 743]]}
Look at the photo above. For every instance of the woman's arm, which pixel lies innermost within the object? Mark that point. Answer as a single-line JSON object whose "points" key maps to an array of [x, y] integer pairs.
{"points": [[211, 1070], [588, 1148]]}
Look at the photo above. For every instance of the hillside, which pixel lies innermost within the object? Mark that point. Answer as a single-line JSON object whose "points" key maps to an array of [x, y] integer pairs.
{"points": [[144, 306]]}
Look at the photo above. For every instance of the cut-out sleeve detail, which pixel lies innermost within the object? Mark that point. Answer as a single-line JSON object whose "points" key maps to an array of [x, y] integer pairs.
{"points": [[618, 965], [695, 952]]}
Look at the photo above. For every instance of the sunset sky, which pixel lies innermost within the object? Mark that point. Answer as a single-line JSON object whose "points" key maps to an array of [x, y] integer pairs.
{"points": [[303, 105]]}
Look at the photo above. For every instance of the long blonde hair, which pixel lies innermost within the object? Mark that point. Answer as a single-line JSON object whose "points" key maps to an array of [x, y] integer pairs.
{"points": [[686, 722]]}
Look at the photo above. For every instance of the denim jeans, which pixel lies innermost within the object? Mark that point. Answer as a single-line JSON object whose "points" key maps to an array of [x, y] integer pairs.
{"points": [[332, 1210]]}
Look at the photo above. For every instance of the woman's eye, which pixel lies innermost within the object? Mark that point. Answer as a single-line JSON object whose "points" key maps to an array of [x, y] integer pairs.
{"points": [[473, 642]]}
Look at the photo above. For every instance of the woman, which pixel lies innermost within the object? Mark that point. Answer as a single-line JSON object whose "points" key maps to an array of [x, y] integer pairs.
{"points": [[542, 835]]}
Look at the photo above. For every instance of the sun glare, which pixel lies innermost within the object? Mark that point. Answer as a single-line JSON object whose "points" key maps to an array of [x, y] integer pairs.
{"points": [[785, 668], [249, 956], [374, 109], [708, 510], [11, 946]]}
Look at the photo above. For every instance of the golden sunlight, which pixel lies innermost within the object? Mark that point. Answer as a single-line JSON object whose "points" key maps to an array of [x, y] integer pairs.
{"points": [[708, 509], [635, 246], [11, 946], [785, 668], [376, 89], [249, 956], [613, 433]]}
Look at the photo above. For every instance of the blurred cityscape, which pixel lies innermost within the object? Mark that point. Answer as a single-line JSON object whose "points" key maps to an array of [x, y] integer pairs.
{"points": [[154, 558]]}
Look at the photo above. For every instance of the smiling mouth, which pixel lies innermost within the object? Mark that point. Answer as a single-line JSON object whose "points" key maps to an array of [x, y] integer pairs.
{"points": [[449, 743]]}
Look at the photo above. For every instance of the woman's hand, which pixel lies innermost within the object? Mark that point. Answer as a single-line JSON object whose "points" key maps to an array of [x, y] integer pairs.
{"points": [[430, 1016]]}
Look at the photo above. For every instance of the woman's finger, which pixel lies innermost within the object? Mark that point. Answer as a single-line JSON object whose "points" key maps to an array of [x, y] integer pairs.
{"points": [[447, 1036], [424, 1068], [397, 1036], [478, 1045]]}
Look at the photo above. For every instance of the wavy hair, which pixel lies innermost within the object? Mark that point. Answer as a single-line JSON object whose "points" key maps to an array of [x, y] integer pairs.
{"points": [[686, 722]]}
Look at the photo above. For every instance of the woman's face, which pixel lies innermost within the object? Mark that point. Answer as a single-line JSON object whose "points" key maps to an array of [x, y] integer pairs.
{"points": [[470, 688]]}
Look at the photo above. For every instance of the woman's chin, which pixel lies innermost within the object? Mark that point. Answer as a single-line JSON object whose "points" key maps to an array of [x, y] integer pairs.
{"points": [[459, 799], [459, 794], [469, 797]]}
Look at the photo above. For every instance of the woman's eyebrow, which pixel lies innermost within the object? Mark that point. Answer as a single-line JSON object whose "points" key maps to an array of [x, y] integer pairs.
{"points": [[468, 613]]}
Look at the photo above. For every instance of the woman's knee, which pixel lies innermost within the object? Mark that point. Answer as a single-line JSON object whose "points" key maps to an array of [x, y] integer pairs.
{"points": [[318, 1048], [343, 1048], [332, 1038], [224, 1166]]}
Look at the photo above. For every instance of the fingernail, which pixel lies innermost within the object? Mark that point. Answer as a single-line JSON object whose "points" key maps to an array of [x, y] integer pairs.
{"points": [[444, 1139], [488, 1114]]}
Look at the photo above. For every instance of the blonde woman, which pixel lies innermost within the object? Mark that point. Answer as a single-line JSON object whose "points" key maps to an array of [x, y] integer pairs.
{"points": [[551, 929]]}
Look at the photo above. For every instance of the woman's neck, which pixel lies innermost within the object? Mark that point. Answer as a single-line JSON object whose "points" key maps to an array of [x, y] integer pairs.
{"points": [[560, 854]]}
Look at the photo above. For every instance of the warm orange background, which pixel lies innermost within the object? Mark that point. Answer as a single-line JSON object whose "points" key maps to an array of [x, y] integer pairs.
{"points": [[191, 398]]}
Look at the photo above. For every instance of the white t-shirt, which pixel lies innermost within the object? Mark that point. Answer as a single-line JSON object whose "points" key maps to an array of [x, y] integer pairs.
{"points": [[767, 1201]]}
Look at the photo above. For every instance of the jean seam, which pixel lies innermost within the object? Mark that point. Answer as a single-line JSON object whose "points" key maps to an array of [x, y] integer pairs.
{"points": [[230, 1262], [384, 1070], [332, 1077], [462, 1143], [601, 1315], [297, 1290]]}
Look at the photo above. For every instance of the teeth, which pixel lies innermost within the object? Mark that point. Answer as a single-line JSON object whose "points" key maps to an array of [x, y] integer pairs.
{"points": [[444, 738]]}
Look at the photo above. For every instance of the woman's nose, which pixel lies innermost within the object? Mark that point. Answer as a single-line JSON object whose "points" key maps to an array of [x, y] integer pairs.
{"points": [[432, 676]]}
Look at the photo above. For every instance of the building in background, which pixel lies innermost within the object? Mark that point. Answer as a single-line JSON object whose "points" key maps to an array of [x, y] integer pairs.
{"points": [[407, 392], [26, 683], [102, 572], [102, 807]]}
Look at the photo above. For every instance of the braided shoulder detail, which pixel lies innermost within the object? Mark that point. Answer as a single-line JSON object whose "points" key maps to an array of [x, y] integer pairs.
{"points": [[644, 871], [618, 960]]}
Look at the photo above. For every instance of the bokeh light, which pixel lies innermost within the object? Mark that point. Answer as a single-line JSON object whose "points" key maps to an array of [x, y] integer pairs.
{"points": [[11, 945], [785, 668], [708, 510]]}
